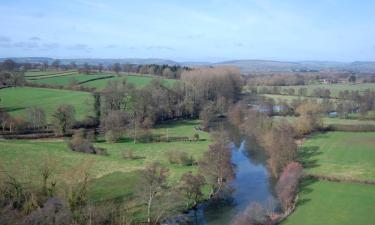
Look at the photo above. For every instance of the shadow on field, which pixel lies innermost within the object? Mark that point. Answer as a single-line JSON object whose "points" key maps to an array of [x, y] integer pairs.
{"points": [[307, 153], [13, 109], [305, 189]]}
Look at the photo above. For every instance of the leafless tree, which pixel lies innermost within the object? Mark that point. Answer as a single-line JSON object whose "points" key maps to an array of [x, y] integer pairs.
{"points": [[63, 118], [152, 184], [191, 185], [216, 166], [36, 117]]}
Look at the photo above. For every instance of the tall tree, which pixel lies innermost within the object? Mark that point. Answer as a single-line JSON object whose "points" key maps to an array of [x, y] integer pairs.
{"points": [[63, 118], [116, 68], [191, 185], [217, 167], [56, 63], [36, 117], [152, 184]]}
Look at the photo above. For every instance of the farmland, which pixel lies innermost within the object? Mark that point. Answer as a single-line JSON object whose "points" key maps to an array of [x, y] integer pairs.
{"points": [[17, 100], [138, 81], [323, 202], [334, 88], [341, 154], [113, 169], [95, 80]]}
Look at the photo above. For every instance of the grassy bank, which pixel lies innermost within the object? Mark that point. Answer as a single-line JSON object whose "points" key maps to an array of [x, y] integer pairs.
{"points": [[113, 176], [17, 100], [340, 154], [323, 202]]}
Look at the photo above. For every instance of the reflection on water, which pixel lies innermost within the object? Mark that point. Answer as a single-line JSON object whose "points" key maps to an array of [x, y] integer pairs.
{"points": [[252, 183]]}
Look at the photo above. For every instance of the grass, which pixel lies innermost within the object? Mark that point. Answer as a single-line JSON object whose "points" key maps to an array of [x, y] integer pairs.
{"points": [[34, 74], [340, 154], [330, 203], [17, 100], [289, 98], [67, 80], [334, 88], [137, 80], [114, 177], [331, 121]]}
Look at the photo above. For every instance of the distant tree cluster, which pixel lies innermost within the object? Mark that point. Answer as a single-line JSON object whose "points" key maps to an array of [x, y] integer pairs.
{"points": [[125, 108], [11, 74]]}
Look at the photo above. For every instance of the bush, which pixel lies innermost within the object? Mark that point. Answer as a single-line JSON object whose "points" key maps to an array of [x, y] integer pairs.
{"points": [[287, 185], [351, 128], [80, 143], [180, 157], [127, 154]]}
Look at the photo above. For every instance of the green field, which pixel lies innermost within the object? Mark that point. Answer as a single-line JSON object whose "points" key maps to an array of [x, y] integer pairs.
{"points": [[17, 100], [334, 88], [137, 80], [66, 80], [289, 98], [114, 176], [330, 121], [48, 73], [330, 203], [340, 154]]}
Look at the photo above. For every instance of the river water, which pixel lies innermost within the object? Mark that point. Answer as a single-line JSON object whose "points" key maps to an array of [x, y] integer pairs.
{"points": [[252, 183]]}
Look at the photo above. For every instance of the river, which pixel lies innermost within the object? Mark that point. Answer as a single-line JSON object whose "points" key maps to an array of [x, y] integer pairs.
{"points": [[252, 183]]}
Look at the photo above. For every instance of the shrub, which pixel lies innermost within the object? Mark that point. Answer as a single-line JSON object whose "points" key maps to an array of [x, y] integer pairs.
{"points": [[196, 137], [127, 154], [180, 157], [80, 143], [287, 185]]}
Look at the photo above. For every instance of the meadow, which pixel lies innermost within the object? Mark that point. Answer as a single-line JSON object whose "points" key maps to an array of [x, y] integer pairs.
{"points": [[137, 80], [17, 100], [334, 88], [113, 176], [340, 154], [290, 98], [95, 80], [67, 80], [330, 120], [330, 203]]}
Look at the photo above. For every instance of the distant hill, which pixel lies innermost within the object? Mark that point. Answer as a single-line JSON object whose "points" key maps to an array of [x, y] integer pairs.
{"points": [[96, 61], [246, 66]]}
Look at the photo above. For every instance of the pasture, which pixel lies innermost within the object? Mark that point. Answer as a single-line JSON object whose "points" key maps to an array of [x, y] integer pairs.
{"points": [[334, 88], [17, 100], [330, 203], [136, 80], [113, 176], [67, 80], [95, 80], [340, 154]]}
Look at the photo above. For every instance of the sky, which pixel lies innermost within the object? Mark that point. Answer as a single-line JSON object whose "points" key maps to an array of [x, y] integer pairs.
{"points": [[190, 30]]}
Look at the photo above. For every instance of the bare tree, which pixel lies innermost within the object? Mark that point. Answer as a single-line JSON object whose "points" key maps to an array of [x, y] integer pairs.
{"points": [[191, 185], [116, 68], [216, 166], [36, 117], [152, 184], [287, 185], [115, 123], [63, 118], [280, 146]]}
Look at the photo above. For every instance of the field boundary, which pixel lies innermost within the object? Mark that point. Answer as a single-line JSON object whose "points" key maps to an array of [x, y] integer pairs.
{"points": [[339, 179]]}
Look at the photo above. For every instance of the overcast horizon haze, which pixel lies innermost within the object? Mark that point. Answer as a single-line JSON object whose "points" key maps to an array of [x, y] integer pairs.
{"points": [[214, 30]]}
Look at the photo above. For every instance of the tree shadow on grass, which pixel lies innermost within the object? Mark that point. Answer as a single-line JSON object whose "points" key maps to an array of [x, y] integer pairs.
{"points": [[13, 109], [305, 189], [307, 154]]}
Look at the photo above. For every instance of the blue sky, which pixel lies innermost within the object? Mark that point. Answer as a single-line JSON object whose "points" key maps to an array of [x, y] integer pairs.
{"points": [[194, 30]]}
